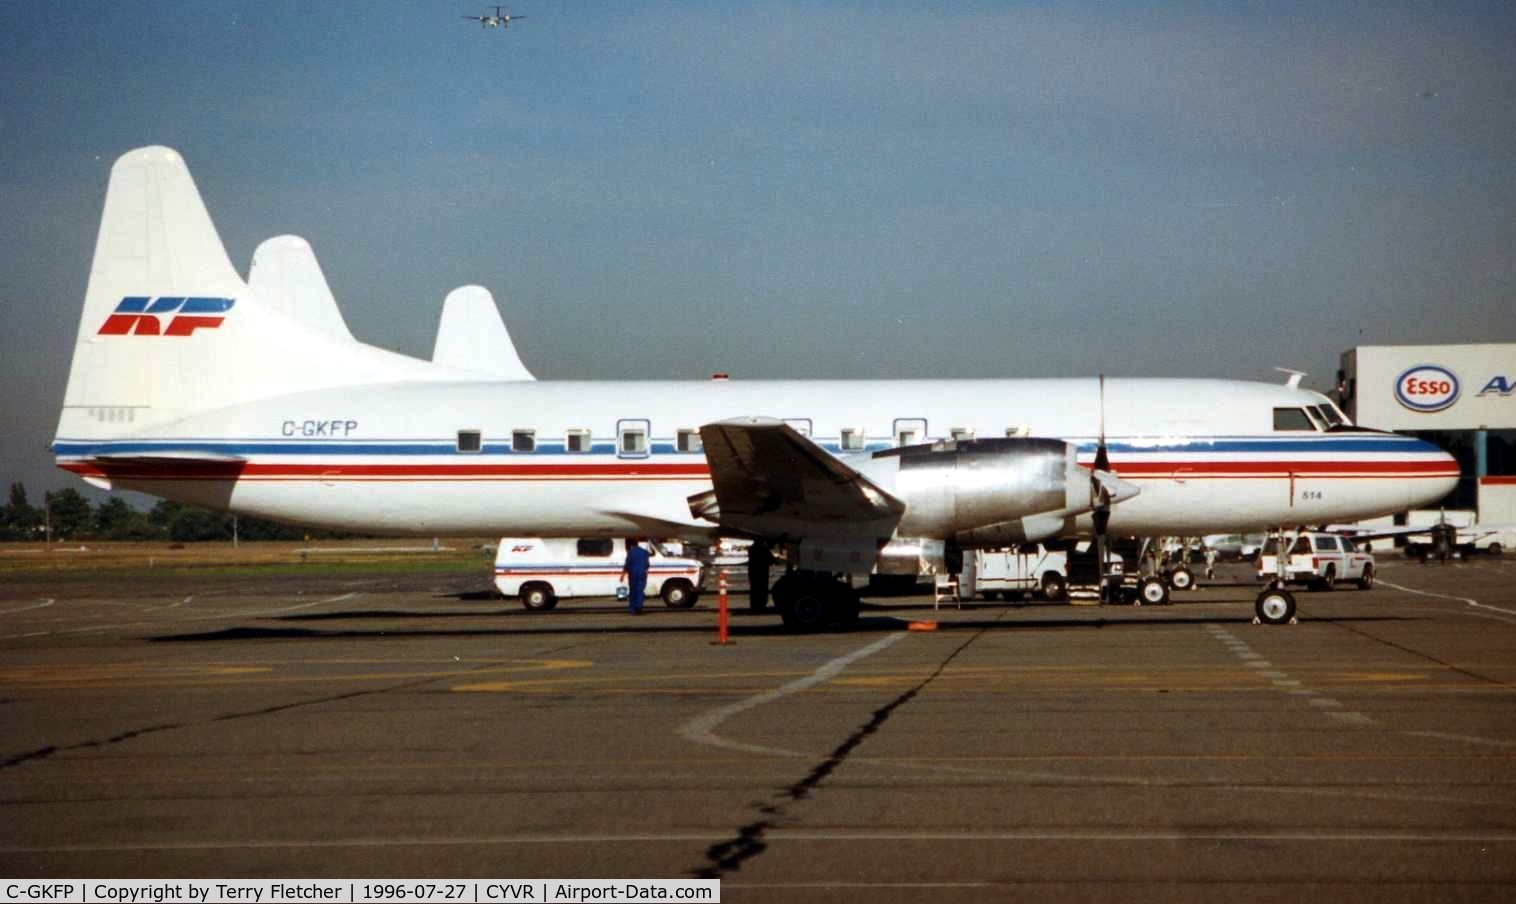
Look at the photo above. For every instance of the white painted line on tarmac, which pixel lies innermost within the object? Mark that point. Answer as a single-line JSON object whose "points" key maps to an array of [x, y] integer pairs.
{"points": [[1470, 739], [1351, 718], [702, 729], [1443, 596], [214, 616], [40, 604], [1307, 836], [335, 599], [1283, 682]]}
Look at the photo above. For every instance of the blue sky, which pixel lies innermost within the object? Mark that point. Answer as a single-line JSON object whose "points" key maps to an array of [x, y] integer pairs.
{"points": [[663, 190]]}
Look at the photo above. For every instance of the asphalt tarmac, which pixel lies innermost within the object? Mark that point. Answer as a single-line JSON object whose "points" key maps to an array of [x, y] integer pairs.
{"points": [[416, 726]]}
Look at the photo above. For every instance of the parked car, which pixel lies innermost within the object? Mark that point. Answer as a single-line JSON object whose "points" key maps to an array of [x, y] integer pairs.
{"points": [[541, 571], [1318, 560]]}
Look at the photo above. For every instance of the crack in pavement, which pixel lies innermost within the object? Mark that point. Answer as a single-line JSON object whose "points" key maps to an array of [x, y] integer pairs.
{"points": [[749, 841]]}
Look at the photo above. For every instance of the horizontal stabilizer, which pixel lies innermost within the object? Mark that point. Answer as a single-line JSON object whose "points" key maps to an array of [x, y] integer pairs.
{"points": [[168, 456]]}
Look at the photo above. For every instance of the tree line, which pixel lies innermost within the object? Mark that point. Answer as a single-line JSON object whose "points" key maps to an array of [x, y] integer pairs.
{"points": [[66, 515]]}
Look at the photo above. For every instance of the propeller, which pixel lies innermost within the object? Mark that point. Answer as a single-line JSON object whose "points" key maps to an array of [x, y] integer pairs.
{"points": [[1100, 493]]}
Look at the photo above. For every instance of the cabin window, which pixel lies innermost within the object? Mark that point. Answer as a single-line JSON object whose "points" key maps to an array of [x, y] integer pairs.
{"points": [[852, 439], [905, 437], [633, 441], [577, 440], [688, 440], [470, 441], [961, 433], [523, 440], [1291, 419], [1019, 430], [597, 547]]}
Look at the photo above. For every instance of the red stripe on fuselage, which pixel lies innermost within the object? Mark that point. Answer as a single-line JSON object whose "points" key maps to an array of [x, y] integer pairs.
{"points": [[644, 471]]}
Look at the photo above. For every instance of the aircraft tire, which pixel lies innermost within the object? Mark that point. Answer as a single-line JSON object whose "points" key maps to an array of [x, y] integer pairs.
{"points": [[1182, 579], [1275, 606], [818, 601], [1152, 591]]}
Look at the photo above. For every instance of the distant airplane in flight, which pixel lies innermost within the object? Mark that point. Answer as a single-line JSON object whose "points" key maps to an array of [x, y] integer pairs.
{"points": [[498, 20]]}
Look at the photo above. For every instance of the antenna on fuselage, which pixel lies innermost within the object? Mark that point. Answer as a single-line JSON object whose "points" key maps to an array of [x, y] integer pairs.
{"points": [[1295, 376]]}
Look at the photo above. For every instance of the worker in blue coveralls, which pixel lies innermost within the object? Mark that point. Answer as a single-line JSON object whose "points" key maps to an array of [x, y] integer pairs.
{"points": [[634, 573]]}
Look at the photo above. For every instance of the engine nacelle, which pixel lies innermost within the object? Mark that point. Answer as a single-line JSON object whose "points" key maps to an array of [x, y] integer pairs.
{"points": [[985, 492]]}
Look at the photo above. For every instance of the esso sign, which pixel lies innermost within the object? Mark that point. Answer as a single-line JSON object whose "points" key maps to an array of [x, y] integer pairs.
{"points": [[1426, 387]]}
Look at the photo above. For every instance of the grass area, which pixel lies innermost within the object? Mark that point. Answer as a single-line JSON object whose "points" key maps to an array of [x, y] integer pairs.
{"points": [[264, 558]]}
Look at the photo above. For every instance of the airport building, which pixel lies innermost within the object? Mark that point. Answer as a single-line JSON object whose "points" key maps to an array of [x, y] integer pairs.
{"points": [[1461, 397]]}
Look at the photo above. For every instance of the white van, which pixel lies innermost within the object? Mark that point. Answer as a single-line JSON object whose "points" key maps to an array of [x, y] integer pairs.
{"points": [[541, 571]]}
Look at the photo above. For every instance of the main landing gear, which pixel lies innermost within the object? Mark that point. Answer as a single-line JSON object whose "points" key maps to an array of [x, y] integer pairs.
{"points": [[814, 600]]}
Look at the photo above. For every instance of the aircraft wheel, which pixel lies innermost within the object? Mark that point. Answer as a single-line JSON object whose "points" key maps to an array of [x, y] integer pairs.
{"points": [[806, 612], [678, 594], [1367, 581], [1182, 578], [1275, 606], [538, 596], [818, 601], [1152, 591]]}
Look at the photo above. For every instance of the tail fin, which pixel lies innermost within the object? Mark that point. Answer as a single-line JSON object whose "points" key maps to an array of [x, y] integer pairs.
{"points": [[157, 250], [286, 276], [472, 336], [170, 329]]}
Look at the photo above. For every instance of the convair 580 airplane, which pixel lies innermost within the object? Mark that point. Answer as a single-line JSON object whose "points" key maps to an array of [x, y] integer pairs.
{"points": [[188, 384]]}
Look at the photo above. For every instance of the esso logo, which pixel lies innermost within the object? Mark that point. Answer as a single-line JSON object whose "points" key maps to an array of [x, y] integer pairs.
{"points": [[1427, 387]]}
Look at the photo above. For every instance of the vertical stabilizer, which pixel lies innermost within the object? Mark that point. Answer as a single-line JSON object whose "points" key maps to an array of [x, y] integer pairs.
{"points": [[156, 244], [170, 329], [472, 336], [286, 276]]}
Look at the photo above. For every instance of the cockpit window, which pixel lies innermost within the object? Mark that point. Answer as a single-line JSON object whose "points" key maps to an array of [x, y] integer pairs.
{"points": [[1334, 415], [1318, 420], [1292, 419]]}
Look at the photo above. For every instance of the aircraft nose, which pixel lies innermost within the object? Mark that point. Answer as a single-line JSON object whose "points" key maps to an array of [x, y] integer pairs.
{"points": [[1437, 475]]}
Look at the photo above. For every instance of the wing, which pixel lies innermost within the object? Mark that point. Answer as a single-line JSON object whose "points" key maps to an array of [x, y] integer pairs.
{"points": [[769, 481]]}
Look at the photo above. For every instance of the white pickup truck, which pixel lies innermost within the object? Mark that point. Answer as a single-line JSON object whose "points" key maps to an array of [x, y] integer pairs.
{"points": [[1318, 561]]}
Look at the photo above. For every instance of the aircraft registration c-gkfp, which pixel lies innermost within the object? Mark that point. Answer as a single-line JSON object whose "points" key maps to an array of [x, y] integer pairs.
{"points": [[188, 384]]}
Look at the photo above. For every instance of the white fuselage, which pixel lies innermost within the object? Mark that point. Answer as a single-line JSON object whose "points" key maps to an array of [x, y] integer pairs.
{"points": [[386, 458]]}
